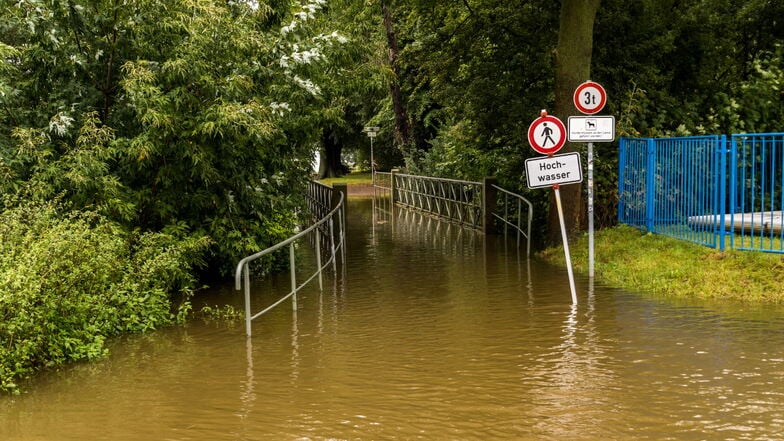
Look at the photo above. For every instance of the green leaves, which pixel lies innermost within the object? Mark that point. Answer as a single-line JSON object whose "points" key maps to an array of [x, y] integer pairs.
{"points": [[69, 281]]}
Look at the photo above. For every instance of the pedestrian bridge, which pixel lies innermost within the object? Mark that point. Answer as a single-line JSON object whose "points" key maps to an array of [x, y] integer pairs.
{"points": [[483, 206]]}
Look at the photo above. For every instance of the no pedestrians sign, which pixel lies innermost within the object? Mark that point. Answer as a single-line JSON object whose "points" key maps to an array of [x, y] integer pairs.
{"points": [[547, 134]]}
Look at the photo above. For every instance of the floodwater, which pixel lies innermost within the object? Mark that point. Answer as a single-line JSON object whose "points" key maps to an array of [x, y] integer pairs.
{"points": [[433, 334]]}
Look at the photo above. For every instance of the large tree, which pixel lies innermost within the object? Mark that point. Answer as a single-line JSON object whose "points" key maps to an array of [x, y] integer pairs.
{"points": [[572, 67], [192, 116]]}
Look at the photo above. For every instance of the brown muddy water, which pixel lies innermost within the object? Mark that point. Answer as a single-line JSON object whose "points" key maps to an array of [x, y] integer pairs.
{"points": [[433, 334]]}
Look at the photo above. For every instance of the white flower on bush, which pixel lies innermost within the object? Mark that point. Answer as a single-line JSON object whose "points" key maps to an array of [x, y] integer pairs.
{"points": [[280, 109], [60, 123], [308, 85]]}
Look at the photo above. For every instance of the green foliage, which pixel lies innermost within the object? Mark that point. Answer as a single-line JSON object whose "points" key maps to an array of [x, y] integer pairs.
{"points": [[475, 74], [188, 114], [225, 313], [70, 281]]}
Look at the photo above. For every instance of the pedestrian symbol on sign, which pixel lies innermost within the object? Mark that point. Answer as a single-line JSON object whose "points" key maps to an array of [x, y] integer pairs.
{"points": [[546, 134]]}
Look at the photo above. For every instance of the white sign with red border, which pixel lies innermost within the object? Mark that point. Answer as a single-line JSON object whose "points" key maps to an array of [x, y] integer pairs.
{"points": [[547, 134], [590, 98], [551, 170]]}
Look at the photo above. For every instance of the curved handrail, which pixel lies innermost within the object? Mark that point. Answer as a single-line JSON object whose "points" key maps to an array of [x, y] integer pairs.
{"points": [[517, 226], [243, 267]]}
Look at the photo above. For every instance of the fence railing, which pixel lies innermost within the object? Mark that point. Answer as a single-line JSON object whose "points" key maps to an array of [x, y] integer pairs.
{"points": [[328, 231], [482, 206], [706, 189], [454, 200], [514, 212]]}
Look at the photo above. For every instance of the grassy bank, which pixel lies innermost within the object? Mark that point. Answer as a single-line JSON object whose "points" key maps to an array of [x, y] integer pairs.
{"points": [[628, 258]]}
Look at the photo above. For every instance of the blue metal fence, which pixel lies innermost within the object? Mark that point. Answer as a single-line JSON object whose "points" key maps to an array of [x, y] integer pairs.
{"points": [[705, 189]]}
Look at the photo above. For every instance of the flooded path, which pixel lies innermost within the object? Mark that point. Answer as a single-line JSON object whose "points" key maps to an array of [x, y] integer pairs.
{"points": [[434, 334]]}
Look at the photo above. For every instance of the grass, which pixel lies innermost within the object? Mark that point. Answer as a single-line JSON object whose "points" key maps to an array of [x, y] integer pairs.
{"points": [[628, 258], [350, 179]]}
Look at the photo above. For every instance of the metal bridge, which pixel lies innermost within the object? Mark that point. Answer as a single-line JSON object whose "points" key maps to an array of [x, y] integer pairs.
{"points": [[482, 206]]}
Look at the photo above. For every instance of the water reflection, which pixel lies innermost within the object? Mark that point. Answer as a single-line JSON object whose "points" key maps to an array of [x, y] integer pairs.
{"points": [[448, 337]]}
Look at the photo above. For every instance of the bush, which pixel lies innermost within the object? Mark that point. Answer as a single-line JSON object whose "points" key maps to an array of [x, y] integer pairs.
{"points": [[70, 281]]}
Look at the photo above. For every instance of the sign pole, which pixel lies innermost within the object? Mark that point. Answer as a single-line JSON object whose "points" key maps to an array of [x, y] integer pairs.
{"points": [[556, 189], [372, 163], [589, 98], [590, 211], [371, 132]]}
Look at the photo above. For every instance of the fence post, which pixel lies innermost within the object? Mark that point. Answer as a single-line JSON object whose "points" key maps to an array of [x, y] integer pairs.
{"points": [[337, 189], [392, 189], [650, 186], [621, 180], [489, 201], [724, 149]]}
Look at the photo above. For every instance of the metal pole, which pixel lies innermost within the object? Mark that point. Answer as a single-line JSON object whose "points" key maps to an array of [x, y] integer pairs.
{"points": [[292, 264], [372, 164], [557, 190], [246, 280], [590, 211], [318, 258]]}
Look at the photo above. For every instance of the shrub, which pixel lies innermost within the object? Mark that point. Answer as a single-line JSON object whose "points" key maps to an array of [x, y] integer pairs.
{"points": [[70, 281]]}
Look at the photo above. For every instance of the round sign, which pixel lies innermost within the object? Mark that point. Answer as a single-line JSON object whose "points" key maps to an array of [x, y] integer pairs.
{"points": [[547, 134], [590, 97]]}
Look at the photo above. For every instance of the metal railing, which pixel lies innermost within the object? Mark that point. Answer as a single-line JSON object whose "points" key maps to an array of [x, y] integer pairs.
{"points": [[509, 211], [453, 200], [324, 233], [473, 204], [706, 189]]}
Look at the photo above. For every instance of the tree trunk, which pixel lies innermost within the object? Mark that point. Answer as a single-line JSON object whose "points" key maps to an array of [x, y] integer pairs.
{"points": [[402, 127], [330, 165], [572, 68]]}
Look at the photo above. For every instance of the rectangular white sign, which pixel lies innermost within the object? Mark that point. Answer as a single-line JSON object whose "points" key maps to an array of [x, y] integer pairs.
{"points": [[591, 129], [547, 171]]}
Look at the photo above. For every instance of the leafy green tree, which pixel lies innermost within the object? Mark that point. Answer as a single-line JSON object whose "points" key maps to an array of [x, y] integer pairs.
{"points": [[192, 116]]}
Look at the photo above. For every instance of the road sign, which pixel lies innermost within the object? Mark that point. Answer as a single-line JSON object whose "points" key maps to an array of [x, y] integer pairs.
{"points": [[591, 129], [590, 97], [547, 134], [371, 131], [550, 170]]}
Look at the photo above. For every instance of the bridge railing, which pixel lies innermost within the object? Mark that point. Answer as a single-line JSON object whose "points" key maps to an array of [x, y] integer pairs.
{"points": [[454, 200], [326, 231], [482, 206], [516, 213]]}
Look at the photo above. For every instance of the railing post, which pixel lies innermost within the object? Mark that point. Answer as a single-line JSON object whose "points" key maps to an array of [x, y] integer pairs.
{"points": [[489, 201], [392, 190], [650, 186], [246, 286], [318, 258], [336, 189], [724, 150], [293, 268]]}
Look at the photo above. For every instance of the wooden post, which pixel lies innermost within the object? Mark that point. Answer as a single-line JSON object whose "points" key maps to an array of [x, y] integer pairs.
{"points": [[489, 205]]}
